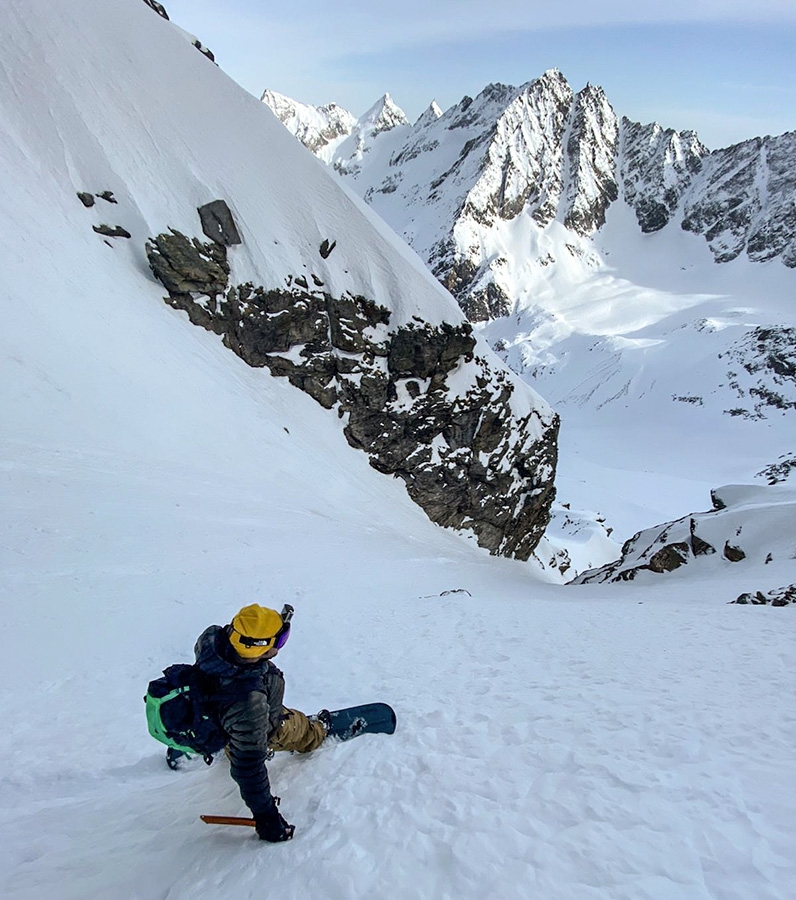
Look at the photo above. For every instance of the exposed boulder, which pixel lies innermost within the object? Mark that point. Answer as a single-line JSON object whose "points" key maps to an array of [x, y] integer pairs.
{"points": [[187, 266], [465, 456], [218, 223], [205, 51], [86, 199], [669, 558], [732, 552], [783, 596], [326, 248], [112, 231]]}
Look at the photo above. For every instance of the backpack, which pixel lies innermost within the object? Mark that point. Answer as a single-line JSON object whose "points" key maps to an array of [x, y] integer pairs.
{"points": [[181, 714]]}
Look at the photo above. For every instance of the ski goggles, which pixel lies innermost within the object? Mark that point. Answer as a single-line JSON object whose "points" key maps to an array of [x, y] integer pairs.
{"points": [[278, 640]]}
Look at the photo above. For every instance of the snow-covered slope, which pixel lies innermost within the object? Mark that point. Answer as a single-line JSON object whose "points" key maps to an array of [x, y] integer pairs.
{"points": [[556, 742], [485, 458]]}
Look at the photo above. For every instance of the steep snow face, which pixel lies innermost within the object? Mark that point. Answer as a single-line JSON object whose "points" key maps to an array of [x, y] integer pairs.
{"points": [[600, 741], [319, 128], [305, 280]]}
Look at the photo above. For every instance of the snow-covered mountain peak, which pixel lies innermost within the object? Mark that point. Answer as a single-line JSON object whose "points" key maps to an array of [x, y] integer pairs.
{"points": [[429, 115], [545, 153], [384, 115], [319, 128]]}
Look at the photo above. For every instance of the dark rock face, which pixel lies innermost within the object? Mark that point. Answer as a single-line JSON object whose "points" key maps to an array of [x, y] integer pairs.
{"points": [[780, 471], [669, 558], [783, 596], [218, 224], [763, 372], [465, 458], [732, 552], [745, 201], [591, 151], [186, 266], [86, 199], [657, 167], [479, 296], [112, 231], [158, 7]]}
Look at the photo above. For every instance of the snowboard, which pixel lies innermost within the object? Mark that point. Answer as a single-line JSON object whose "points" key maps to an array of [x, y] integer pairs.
{"points": [[369, 718]]}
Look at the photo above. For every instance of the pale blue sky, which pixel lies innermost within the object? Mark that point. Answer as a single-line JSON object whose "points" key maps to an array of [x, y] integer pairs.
{"points": [[722, 67]]}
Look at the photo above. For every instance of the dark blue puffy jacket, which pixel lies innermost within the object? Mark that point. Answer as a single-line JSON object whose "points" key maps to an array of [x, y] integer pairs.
{"points": [[251, 708]]}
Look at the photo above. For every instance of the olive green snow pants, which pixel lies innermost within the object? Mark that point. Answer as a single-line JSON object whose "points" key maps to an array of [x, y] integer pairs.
{"points": [[297, 732]]}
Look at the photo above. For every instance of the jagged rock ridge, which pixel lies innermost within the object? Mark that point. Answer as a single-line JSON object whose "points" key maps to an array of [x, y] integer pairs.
{"points": [[543, 151], [316, 127]]}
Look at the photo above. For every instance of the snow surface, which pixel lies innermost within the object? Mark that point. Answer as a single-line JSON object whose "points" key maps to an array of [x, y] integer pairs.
{"points": [[600, 742]]}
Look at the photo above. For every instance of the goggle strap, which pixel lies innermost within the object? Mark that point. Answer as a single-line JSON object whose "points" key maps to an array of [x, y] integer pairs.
{"points": [[282, 634]]}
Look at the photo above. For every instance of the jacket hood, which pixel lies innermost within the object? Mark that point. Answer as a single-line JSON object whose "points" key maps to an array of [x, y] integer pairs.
{"points": [[215, 656]]}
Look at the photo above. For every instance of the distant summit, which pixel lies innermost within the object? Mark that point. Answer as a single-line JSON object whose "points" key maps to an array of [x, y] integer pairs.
{"points": [[432, 113], [319, 128]]}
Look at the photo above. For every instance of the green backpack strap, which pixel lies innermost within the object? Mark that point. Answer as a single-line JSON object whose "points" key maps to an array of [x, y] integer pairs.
{"points": [[155, 724]]}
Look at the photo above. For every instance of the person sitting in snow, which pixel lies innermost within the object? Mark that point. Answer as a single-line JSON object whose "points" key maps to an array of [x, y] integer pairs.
{"points": [[250, 692]]}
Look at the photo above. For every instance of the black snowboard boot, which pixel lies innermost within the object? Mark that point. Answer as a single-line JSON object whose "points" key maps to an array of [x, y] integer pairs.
{"points": [[325, 718]]}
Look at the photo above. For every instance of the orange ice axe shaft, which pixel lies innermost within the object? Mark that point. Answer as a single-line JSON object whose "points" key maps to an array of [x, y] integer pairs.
{"points": [[227, 820]]}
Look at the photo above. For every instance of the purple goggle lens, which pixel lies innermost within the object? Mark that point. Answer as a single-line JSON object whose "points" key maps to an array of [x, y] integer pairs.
{"points": [[282, 635]]}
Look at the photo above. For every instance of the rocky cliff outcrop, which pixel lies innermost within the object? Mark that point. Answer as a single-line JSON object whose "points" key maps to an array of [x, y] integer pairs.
{"points": [[418, 399], [762, 372], [747, 524], [657, 165], [782, 596], [591, 181], [158, 7], [743, 201]]}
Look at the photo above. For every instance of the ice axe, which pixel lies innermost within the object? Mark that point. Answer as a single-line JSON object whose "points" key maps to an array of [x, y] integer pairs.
{"points": [[227, 820]]}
